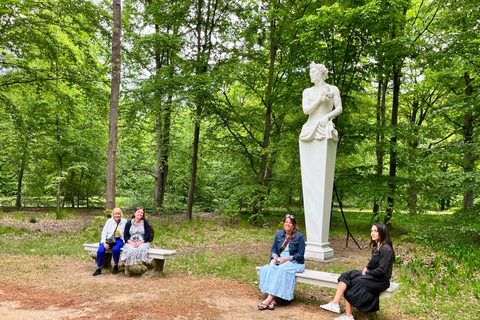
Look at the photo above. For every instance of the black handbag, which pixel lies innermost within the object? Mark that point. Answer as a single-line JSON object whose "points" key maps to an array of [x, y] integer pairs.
{"points": [[112, 241]]}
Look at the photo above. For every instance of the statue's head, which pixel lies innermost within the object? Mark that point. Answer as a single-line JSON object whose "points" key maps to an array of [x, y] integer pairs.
{"points": [[318, 71]]}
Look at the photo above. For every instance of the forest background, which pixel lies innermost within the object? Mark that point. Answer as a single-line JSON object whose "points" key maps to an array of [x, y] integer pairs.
{"points": [[210, 103]]}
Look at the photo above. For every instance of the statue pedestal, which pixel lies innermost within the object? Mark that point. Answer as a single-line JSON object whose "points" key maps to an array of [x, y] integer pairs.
{"points": [[317, 160]]}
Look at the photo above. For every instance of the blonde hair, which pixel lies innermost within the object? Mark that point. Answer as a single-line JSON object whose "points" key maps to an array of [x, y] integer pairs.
{"points": [[115, 210], [321, 68]]}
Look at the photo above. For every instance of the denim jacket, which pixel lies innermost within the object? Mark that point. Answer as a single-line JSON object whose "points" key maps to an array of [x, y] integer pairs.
{"points": [[297, 246]]}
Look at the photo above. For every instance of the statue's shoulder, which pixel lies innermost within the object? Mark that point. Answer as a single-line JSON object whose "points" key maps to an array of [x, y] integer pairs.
{"points": [[334, 88], [307, 90]]}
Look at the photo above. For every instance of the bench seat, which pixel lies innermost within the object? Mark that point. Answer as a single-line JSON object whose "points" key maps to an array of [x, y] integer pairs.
{"points": [[155, 261], [330, 280]]}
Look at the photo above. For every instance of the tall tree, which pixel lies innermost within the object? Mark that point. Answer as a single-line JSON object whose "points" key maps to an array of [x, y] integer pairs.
{"points": [[207, 18], [114, 101], [48, 60]]}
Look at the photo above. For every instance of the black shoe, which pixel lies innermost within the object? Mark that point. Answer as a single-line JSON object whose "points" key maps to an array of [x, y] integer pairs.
{"points": [[97, 272], [115, 269]]}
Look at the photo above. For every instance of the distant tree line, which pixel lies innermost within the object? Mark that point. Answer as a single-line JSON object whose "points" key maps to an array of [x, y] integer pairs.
{"points": [[210, 102]]}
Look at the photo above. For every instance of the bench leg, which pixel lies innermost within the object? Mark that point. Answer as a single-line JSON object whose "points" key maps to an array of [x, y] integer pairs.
{"points": [[107, 259], [154, 267]]}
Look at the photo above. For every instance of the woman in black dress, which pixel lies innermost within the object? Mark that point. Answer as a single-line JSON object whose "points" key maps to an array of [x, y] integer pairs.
{"points": [[361, 288]]}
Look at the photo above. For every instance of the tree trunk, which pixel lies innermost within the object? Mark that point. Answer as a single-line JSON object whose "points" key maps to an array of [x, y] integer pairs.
{"points": [[198, 100], [381, 100], [163, 124], [69, 191], [196, 139], [412, 192], [265, 172], [393, 145], [397, 69], [59, 185], [469, 157], [163, 140], [18, 201], [79, 189], [114, 100]]}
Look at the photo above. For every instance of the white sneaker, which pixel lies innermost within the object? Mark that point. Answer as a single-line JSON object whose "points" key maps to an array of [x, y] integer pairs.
{"points": [[344, 317], [331, 307]]}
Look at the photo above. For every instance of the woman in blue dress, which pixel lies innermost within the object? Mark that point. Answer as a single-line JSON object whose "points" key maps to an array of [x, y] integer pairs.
{"points": [[278, 277]]}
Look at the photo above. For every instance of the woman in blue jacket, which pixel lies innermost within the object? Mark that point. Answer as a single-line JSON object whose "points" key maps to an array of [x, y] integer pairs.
{"points": [[137, 234], [278, 277], [115, 225]]}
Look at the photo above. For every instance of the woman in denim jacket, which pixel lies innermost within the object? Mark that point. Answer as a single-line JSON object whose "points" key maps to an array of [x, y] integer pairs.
{"points": [[115, 225], [278, 277]]}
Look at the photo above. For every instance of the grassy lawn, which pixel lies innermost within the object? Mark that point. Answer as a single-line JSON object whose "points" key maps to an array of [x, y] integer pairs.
{"points": [[438, 255]]}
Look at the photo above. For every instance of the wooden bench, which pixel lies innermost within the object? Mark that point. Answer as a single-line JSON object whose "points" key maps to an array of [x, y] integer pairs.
{"points": [[155, 261], [330, 280]]}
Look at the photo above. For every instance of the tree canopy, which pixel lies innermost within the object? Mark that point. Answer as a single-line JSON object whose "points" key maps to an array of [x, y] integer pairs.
{"points": [[210, 102]]}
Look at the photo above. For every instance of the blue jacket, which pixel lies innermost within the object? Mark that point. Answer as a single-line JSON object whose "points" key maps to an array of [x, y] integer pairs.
{"points": [[297, 246]]}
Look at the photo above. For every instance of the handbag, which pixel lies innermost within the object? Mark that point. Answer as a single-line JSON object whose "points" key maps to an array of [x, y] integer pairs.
{"points": [[112, 241], [152, 234]]}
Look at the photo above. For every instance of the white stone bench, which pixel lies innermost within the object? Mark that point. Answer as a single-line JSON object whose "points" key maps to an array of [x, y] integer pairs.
{"points": [[330, 280], [156, 258]]}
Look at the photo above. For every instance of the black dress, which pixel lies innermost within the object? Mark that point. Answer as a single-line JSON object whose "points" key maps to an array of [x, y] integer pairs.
{"points": [[363, 291]]}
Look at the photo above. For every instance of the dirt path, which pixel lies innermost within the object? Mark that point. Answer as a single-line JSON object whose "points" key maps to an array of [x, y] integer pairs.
{"points": [[55, 288]]}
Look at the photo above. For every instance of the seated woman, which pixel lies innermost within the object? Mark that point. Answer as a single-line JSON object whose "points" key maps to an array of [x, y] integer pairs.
{"points": [[137, 233], [278, 278], [361, 288], [114, 226]]}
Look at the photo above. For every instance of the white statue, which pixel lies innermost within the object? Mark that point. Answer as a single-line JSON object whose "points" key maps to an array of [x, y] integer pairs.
{"points": [[318, 148], [322, 103]]}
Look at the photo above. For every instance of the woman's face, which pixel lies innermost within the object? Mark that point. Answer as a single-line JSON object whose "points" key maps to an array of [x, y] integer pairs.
{"points": [[117, 216], [374, 234], [139, 214], [288, 225]]}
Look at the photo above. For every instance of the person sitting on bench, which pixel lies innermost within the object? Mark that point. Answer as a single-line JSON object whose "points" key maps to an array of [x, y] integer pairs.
{"points": [[361, 288]]}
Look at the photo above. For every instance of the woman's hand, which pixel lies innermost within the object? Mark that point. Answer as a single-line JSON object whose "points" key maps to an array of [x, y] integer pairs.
{"points": [[364, 271], [106, 246], [136, 244]]}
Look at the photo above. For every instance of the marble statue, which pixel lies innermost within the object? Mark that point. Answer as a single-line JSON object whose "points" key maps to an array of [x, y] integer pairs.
{"points": [[322, 103], [318, 148]]}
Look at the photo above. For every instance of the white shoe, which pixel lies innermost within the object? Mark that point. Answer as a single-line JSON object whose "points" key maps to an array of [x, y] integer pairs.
{"points": [[344, 317], [331, 307]]}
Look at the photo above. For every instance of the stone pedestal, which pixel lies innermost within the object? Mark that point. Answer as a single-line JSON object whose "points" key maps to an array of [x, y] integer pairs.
{"points": [[317, 160]]}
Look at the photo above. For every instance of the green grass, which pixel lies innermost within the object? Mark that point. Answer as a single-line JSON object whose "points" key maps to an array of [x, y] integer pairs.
{"points": [[438, 254]]}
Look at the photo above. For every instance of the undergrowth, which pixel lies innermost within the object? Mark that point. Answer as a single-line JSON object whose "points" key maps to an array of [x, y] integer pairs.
{"points": [[437, 262]]}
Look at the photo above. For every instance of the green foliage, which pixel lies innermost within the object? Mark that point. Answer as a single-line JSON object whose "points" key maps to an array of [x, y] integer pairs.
{"points": [[62, 214], [53, 55]]}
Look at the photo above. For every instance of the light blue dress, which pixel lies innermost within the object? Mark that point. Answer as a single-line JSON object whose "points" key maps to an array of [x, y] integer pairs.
{"points": [[279, 280]]}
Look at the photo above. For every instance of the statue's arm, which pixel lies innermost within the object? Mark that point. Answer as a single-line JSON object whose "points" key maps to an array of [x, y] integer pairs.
{"points": [[308, 108], [337, 105]]}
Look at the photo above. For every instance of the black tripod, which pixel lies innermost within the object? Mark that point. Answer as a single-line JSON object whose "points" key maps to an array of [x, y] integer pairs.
{"points": [[344, 220]]}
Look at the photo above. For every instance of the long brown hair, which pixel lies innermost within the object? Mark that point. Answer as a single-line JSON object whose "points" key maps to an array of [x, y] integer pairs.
{"points": [[294, 222], [384, 238], [136, 209]]}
